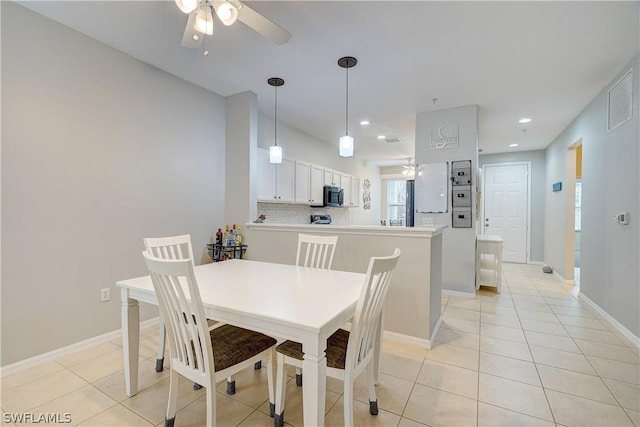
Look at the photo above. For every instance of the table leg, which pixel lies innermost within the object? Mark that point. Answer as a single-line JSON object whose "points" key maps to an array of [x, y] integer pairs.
{"points": [[130, 318], [314, 387]]}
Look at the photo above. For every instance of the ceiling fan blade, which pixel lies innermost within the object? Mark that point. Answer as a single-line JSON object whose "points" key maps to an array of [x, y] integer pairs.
{"points": [[262, 25], [190, 31]]}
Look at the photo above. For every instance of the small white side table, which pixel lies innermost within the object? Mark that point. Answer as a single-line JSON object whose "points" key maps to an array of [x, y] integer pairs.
{"points": [[489, 261]]}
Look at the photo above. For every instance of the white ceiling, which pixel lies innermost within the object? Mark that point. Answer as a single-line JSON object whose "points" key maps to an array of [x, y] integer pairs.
{"points": [[544, 60]]}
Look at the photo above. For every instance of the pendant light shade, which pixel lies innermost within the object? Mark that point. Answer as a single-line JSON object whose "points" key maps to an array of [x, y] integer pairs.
{"points": [[275, 151], [187, 6], [346, 141], [227, 13], [275, 154], [346, 146], [204, 20]]}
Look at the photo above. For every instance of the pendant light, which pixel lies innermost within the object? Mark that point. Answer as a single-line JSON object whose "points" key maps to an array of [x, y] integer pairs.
{"points": [[275, 151], [346, 141]]}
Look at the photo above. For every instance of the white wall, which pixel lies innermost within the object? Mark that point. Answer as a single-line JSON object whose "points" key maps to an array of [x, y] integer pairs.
{"points": [[537, 159], [300, 146], [99, 150], [609, 266], [458, 244]]}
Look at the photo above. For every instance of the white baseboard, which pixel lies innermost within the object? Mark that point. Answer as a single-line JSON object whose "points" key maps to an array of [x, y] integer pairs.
{"points": [[415, 340], [63, 351], [619, 326], [458, 294], [536, 263], [408, 339]]}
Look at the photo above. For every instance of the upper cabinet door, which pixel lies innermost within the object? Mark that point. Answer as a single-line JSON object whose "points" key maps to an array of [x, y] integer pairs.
{"points": [[266, 177], [355, 191], [285, 173], [345, 181], [331, 177], [303, 187], [316, 184]]}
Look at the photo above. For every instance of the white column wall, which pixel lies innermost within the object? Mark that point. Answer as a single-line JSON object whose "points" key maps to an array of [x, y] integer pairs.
{"points": [[458, 244]]}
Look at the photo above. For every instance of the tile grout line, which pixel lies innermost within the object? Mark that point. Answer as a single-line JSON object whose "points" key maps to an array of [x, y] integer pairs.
{"points": [[535, 364]]}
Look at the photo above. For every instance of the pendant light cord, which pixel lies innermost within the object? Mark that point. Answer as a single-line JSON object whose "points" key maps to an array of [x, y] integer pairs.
{"points": [[275, 124], [346, 115]]}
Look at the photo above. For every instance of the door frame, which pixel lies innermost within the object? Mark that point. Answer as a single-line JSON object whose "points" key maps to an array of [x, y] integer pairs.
{"points": [[570, 212], [483, 193]]}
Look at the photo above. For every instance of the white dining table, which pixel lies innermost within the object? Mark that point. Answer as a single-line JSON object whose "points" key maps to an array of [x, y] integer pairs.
{"points": [[298, 303]]}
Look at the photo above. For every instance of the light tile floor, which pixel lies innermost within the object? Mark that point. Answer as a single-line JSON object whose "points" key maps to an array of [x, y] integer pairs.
{"points": [[533, 355]]}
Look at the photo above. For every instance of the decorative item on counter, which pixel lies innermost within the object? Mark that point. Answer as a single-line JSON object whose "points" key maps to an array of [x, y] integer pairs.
{"points": [[219, 237], [260, 219]]}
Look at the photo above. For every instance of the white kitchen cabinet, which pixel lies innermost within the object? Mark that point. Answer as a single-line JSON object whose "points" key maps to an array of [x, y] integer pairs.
{"points": [[331, 177], [316, 183], [351, 189], [309, 182], [355, 191], [275, 181], [345, 180]]}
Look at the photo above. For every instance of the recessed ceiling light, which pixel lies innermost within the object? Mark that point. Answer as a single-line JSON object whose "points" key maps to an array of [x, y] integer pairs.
{"points": [[524, 120], [513, 145], [381, 136], [364, 122], [196, 37]]}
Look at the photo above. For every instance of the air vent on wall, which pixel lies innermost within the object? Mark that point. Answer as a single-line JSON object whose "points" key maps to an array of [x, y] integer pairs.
{"points": [[392, 140]]}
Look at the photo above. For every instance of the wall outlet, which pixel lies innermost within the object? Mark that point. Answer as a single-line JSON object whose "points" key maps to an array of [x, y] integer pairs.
{"points": [[105, 294]]}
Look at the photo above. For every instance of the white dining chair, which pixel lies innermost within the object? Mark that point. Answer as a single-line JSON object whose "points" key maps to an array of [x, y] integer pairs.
{"points": [[192, 345], [348, 353], [176, 247], [316, 251]]}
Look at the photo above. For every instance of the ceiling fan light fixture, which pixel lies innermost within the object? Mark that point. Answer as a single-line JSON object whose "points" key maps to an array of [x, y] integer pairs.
{"points": [[187, 6], [227, 13], [204, 20]]}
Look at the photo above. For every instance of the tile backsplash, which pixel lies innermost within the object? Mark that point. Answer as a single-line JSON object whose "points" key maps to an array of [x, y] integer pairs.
{"points": [[283, 213]]}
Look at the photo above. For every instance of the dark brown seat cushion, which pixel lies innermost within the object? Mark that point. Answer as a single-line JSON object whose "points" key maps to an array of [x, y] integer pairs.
{"points": [[336, 349], [232, 345]]}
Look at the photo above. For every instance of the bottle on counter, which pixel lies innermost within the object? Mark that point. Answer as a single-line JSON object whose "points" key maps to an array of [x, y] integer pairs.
{"points": [[225, 236], [219, 237], [238, 237]]}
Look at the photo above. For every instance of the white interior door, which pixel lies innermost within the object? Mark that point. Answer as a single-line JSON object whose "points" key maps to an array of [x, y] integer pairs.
{"points": [[506, 208]]}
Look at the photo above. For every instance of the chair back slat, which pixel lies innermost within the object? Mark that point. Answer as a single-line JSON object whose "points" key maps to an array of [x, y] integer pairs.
{"points": [[315, 251], [369, 308], [179, 300], [174, 247]]}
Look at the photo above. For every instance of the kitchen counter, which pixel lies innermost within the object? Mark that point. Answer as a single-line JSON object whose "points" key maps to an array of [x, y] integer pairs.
{"points": [[355, 229], [413, 304]]}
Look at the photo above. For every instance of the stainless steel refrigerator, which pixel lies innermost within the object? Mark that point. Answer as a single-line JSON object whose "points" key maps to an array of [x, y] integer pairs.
{"points": [[410, 203]]}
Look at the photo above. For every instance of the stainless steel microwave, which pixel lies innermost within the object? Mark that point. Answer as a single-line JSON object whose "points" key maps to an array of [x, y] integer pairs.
{"points": [[333, 196]]}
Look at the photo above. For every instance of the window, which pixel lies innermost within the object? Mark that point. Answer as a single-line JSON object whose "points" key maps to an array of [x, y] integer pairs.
{"points": [[396, 201]]}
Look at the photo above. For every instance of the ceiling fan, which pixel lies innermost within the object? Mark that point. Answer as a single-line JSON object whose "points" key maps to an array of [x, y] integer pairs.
{"points": [[409, 170], [201, 15]]}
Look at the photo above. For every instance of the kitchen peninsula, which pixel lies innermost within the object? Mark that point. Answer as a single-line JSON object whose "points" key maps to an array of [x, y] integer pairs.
{"points": [[413, 303]]}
